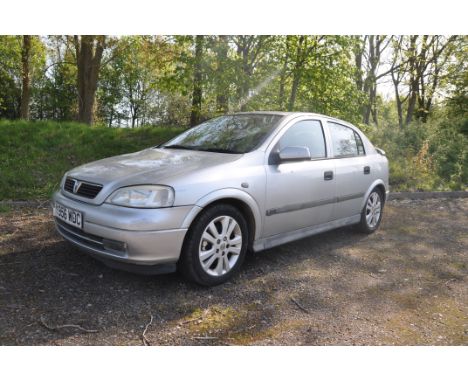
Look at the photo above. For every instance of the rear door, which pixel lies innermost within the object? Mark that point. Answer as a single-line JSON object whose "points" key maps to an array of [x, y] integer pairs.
{"points": [[299, 194], [352, 169]]}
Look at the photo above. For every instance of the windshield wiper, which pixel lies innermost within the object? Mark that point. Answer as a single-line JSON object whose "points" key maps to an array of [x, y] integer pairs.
{"points": [[200, 148], [180, 147], [219, 150]]}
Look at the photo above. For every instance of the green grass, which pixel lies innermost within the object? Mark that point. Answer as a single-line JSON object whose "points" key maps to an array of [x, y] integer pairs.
{"points": [[4, 208], [34, 155]]}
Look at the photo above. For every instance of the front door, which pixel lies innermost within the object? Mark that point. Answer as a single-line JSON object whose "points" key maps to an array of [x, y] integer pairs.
{"points": [[299, 194]]}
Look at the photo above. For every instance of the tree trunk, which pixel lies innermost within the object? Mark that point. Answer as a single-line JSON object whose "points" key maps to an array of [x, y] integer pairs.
{"points": [[400, 113], [283, 75], [428, 105], [411, 105], [369, 84], [195, 116], [111, 117], [358, 56], [297, 71], [246, 80], [281, 87], [89, 50], [294, 87], [243, 50], [221, 85], [399, 103], [374, 105], [413, 81], [26, 90]]}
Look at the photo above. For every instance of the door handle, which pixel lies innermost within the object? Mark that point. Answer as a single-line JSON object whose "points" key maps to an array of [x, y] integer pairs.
{"points": [[328, 175], [366, 170]]}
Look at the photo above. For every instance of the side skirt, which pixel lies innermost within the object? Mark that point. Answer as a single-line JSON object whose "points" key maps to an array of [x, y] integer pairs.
{"points": [[282, 238]]}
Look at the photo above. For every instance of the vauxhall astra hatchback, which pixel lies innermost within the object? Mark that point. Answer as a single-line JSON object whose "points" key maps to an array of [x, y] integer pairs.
{"points": [[237, 183]]}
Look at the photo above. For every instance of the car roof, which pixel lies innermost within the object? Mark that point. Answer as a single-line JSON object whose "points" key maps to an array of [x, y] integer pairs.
{"points": [[294, 114]]}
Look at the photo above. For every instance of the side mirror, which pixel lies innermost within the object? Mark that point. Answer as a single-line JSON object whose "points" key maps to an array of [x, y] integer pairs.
{"points": [[294, 153], [380, 151]]}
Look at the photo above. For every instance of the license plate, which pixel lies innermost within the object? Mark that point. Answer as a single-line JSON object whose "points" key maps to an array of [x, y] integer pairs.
{"points": [[68, 215]]}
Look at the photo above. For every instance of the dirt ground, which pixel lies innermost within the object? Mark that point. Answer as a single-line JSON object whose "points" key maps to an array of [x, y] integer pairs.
{"points": [[404, 285]]}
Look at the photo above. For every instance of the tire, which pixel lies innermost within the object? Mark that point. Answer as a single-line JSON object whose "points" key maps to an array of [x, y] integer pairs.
{"points": [[372, 213], [209, 255]]}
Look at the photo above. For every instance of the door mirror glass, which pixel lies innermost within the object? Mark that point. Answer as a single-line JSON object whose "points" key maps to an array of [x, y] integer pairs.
{"points": [[294, 153]]}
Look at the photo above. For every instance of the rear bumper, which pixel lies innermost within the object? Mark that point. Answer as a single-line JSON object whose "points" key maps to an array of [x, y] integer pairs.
{"points": [[155, 237]]}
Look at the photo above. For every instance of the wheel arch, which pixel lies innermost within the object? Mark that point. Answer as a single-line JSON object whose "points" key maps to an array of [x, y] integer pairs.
{"points": [[237, 198], [379, 183]]}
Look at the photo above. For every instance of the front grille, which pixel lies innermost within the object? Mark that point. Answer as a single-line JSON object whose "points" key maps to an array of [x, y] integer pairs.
{"points": [[69, 183], [84, 189]]}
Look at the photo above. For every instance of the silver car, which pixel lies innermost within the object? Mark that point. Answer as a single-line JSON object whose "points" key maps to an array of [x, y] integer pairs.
{"points": [[240, 182]]}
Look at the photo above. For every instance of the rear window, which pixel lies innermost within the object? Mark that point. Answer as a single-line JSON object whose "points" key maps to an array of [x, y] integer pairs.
{"points": [[345, 141]]}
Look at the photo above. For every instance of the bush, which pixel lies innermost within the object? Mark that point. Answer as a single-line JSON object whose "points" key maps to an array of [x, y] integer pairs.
{"points": [[449, 150], [425, 156]]}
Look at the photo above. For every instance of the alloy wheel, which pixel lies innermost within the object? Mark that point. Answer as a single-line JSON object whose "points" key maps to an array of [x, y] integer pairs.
{"points": [[373, 209], [220, 245]]}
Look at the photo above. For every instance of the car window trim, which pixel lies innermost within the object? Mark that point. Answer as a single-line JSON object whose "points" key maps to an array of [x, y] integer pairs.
{"points": [[355, 132], [362, 144], [293, 123]]}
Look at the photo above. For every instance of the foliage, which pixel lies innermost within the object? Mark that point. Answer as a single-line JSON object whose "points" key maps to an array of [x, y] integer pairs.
{"points": [[55, 94], [160, 81], [10, 58], [449, 152], [425, 156], [10, 72]]}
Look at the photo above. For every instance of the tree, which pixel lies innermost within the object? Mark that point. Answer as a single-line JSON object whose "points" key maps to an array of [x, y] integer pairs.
{"points": [[417, 66], [21, 68], [221, 74], [26, 88], [305, 47], [136, 74], [368, 57], [181, 80], [134, 84], [89, 51], [197, 92], [284, 58], [110, 93], [10, 74], [250, 51], [457, 80], [316, 73], [56, 93]]}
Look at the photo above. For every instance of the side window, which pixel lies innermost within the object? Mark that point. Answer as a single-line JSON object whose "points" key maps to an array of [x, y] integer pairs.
{"points": [[305, 133], [360, 146], [346, 142]]}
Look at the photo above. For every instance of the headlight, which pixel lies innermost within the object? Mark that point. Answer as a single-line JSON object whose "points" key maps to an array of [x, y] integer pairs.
{"points": [[143, 196]]}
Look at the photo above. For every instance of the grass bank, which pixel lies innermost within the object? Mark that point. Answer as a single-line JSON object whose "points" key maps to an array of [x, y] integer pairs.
{"points": [[34, 155]]}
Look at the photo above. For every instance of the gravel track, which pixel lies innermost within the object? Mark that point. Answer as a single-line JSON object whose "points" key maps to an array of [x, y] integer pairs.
{"points": [[404, 285]]}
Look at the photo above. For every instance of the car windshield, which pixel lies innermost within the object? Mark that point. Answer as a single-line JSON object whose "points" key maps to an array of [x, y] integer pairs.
{"points": [[238, 133]]}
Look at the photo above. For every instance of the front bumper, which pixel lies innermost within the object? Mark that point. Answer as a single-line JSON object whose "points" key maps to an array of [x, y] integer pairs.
{"points": [[127, 235]]}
